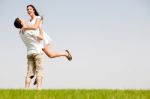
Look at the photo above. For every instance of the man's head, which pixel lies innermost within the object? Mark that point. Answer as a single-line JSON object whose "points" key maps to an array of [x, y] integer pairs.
{"points": [[18, 23]]}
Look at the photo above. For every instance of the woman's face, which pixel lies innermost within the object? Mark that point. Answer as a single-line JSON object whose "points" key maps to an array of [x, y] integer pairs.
{"points": [[30, 11]]}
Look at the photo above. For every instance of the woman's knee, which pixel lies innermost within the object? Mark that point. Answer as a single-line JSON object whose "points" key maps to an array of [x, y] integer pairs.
{"points": [[51, 55]]}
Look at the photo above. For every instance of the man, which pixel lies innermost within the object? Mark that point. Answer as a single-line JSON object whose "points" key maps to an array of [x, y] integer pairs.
{"points": [[34, 53]]}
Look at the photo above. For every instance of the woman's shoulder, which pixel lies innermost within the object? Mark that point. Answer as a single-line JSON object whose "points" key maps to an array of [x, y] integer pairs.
{"points": [[38, 17]]}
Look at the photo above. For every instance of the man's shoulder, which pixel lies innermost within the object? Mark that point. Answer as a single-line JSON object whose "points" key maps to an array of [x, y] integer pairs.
{"points": [[21, 31]]}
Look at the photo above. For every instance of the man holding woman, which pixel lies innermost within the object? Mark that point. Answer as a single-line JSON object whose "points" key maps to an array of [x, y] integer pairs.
{"points": [[36, 41]]}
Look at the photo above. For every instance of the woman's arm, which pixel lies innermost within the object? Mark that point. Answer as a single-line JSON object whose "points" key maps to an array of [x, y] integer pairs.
{"points": [[32, 27], [40, 36]]}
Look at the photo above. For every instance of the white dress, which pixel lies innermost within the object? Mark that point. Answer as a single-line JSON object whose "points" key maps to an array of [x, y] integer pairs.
{"points": [[46, 39]]}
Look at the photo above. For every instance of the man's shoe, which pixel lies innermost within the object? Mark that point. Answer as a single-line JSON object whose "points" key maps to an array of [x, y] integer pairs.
{"points": [[35, 82]]}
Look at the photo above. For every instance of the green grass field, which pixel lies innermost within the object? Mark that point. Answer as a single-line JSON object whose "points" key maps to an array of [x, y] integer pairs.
{"points": [[74, 94]]}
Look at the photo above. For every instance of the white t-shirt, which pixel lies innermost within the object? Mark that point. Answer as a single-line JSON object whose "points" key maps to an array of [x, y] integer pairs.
{"points": [[28, 37]]}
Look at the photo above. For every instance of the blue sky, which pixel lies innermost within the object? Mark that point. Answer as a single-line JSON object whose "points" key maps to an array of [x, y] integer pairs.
{"points": [[109, 41]]}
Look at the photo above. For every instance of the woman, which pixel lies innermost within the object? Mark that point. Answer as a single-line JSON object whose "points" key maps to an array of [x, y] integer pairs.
{"points": [[34, 24]]}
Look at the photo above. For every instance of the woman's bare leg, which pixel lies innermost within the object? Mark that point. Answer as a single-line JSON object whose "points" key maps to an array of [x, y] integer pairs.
{"points": [[51, 54]]}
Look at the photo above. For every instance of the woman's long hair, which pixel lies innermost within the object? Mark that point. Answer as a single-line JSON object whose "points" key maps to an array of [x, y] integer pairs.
{"points": [[35, 11]]}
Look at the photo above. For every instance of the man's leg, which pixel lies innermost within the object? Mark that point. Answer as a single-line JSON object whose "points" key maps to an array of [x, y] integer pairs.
{"points": [[30, 71], [27, 82], [39, 70], [39, 82]]}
